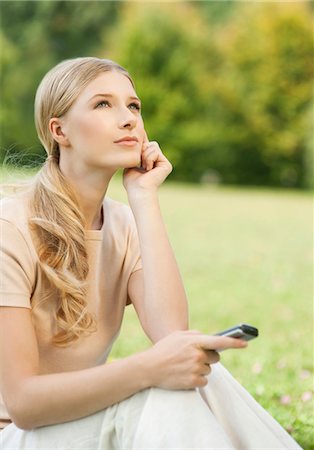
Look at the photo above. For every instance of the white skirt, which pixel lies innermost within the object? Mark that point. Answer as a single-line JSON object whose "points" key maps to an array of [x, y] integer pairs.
{"points": [[223, 415]]}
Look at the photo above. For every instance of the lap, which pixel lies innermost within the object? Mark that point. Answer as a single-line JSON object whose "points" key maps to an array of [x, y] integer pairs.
{"points": [[97, 431], [151, 419], [221, 415]]}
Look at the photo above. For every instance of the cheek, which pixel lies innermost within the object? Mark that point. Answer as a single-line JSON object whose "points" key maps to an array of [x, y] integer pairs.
{"points": [[84, 131], [84, 126]]}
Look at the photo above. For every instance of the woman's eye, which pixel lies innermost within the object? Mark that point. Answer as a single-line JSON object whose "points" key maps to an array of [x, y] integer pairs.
{"points": [[135, 106], [103, 102]]}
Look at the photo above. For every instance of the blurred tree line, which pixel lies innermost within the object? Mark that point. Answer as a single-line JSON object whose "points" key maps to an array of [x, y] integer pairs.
{"points": [[226, 86]]}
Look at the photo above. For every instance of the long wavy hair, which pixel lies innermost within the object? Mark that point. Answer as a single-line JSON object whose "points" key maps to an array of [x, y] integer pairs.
{"points": [[56, 221]]}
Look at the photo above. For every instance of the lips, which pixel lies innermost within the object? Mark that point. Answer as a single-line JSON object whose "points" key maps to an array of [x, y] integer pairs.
{"points": [[127, 139]]}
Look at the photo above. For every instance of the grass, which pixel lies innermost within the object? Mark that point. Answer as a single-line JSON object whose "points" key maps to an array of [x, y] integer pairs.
{"points": [[246, 256]]}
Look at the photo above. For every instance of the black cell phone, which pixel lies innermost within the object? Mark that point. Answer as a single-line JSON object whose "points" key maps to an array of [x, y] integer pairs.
{"points": [[241, 331]]}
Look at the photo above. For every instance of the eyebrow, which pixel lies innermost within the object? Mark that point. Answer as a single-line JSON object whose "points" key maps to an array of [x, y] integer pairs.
{"points": [[110, 95]]}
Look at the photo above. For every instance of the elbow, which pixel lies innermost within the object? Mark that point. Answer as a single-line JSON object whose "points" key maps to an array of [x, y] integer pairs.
{"points": [[21, 413], [22, 424], [21, 419], [24, 419], [156, 335]]}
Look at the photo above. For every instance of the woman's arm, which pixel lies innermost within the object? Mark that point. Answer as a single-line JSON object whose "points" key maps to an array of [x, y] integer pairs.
{"points": [[180, 361], [157, 291], [35, 400]]}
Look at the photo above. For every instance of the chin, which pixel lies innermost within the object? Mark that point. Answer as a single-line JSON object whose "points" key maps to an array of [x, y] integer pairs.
{"points": [[133, 162]]}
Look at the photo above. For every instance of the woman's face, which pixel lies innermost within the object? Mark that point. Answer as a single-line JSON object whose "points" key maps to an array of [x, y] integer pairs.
{"points": [[107, 110]]}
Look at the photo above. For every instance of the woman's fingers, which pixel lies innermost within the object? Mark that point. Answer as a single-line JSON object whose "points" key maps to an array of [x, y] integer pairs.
{"points": [[150, 155], [212, 357], [148, 158], [153, 157], [206, 371], [207, 357], [183, 359], [220, 342]]}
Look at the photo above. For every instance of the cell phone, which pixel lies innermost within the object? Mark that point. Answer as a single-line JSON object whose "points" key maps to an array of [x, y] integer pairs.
{"points": [[241, 331]]}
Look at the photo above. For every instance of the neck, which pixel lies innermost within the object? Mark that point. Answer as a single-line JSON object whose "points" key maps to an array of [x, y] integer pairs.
{"points": [[90, 187]]}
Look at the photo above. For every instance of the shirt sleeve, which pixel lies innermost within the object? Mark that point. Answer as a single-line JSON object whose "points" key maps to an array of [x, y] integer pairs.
{"points": [[133, 253], [17, 272], [134, 249]]}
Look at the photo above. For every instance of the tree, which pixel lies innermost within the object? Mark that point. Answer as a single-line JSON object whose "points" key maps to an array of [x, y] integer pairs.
{"points": [[267, 77], [226, 87], [34, 37], [230, 99], [172, 74]]}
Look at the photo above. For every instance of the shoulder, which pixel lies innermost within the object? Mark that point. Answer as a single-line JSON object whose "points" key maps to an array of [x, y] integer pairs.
{"points": [[119, 222], [119, 212], [15, 208], [122, 229], [14, 217]]}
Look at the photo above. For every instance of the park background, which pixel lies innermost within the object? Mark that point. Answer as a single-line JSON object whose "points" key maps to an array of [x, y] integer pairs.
{"points": [[226, 88]]}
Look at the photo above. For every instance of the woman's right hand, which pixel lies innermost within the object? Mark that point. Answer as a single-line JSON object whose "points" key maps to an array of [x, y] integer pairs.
{"points": [[182, 359]]}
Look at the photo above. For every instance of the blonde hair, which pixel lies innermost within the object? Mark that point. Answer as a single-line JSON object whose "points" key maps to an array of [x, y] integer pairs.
{"points": [[56, 221]]}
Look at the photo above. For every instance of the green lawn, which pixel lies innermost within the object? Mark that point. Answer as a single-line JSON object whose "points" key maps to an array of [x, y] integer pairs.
{"points": [[246, 256]]}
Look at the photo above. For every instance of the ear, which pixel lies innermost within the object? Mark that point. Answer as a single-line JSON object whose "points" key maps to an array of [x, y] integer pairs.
{"points": [[57, 130]]}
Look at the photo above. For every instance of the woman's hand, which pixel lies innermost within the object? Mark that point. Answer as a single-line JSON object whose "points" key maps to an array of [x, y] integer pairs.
{"points": [[154, 169], [182, 359]]}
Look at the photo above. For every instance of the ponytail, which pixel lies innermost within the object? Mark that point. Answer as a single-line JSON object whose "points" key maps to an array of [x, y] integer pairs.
{"points": [[58, 226]]}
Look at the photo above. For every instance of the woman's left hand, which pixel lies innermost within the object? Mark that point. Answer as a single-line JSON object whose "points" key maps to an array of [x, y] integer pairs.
{"points": [[155, 169]]}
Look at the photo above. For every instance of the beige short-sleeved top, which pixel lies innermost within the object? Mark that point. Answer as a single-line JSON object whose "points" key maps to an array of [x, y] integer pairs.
{"points": [[113, 254]]}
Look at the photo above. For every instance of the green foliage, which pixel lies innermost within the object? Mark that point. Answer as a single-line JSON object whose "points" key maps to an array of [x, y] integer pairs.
{"points": [[231, 100], [218, 12], [171, 77], [226, 86], [36, 35], [268, 69]]}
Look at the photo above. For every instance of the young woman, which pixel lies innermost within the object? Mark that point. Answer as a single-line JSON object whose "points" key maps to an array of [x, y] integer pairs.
{"points": [[72, 259]]}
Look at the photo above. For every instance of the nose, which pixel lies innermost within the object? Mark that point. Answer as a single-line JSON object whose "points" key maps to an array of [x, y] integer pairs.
{"points": [[127, 120]]}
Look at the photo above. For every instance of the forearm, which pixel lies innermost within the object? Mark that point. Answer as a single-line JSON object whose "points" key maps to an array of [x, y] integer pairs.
{"points": [[164, 294], [62, 397]]}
